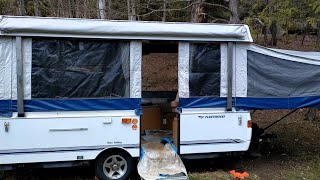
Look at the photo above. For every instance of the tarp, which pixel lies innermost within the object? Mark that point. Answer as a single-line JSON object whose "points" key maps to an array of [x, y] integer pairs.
{"points": [[160, 161], [89, 28]]}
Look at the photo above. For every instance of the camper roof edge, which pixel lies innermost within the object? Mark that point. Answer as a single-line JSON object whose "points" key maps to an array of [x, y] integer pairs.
{"points": [[119, 29]]}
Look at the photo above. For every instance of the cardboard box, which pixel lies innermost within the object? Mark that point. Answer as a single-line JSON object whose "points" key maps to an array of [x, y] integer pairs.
{"points": [[175, 131], [151, 118]]}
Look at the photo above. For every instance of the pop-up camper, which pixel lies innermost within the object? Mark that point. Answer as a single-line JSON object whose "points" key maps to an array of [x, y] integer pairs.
{"points": [[71, 90]]}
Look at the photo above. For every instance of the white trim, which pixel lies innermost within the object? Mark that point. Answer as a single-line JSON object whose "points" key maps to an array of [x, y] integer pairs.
{"points": [[6, 46], [303, 54], [27, 59], [183, 69], [135, 69], [27, 65], [58, 156], [223, 69], [281, 55], [241, 78]]}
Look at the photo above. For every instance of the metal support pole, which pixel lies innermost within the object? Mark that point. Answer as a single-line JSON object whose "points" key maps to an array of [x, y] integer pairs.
{"points": [[230, 75], [20, 87]]}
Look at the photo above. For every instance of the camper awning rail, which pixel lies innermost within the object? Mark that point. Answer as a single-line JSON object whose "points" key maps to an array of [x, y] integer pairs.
{"points": [[97, 28]]}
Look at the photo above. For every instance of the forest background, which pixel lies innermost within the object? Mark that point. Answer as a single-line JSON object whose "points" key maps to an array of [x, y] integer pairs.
{"points": [[269, 20]]}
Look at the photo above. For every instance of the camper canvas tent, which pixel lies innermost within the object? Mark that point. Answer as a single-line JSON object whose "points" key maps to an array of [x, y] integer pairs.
{"points": [[263, 78], [73, 86], [54, 28]]}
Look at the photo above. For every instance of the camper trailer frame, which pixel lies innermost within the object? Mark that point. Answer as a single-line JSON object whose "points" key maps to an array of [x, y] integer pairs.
{"points": [[39, 129]]}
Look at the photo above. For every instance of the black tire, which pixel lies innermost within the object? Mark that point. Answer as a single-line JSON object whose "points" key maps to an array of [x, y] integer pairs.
{"points": [[100, 165]]}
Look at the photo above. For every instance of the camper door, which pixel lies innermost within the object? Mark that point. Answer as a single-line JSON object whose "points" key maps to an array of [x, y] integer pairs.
{"points": [[205, 125]]}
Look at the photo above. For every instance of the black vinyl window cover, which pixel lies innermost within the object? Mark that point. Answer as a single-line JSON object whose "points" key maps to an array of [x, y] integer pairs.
{"points": [[70, 68], [270, 76], [205, 68]]}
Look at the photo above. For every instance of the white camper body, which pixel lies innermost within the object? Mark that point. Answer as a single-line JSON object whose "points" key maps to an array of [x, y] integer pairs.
{"points": [[42, 120]]}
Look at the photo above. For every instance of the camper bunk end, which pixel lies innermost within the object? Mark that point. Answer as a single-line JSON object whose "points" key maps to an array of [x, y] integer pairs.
{"points": [[73, 91]]}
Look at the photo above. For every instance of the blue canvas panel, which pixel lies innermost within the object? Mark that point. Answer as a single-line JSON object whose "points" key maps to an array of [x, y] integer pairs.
{"points": [[71, 105]]}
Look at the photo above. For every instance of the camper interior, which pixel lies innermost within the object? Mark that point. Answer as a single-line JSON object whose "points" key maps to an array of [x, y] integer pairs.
{"points": [[159, 91], [160, 115]]}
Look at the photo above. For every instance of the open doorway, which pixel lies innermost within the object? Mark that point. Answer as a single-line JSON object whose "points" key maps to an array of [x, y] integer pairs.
{"points": [[159, 91]]}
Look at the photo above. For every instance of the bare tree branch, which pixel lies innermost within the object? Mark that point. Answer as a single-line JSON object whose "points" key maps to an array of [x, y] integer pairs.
{"points": [[218, 5], [162, 10]]}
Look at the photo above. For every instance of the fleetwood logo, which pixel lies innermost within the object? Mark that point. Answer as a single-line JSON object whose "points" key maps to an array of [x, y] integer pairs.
{"points": [[212, 117]]}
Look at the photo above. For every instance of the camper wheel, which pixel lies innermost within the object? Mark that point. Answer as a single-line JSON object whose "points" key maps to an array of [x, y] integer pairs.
{"points": [[115, 164]]}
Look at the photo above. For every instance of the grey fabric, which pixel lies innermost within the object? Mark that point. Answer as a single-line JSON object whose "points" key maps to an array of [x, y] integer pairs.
{"points": [[274, 77]]}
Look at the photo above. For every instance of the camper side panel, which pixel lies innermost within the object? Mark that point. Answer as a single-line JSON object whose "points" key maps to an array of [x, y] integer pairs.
{"points": [[77, 94]]}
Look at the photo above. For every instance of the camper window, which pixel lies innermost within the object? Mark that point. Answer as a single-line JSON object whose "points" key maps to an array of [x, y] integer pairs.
{"points": [[79, 68], [205, 63]]}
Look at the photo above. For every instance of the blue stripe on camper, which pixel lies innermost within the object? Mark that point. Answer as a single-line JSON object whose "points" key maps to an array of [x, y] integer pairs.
{"points": [[247, 103], [5, 108], [70, 105], [205, 102], [250, 103]]}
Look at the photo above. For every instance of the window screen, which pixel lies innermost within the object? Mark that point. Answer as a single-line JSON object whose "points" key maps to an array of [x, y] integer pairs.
{"points": [[79, 68], [274, 77], [204, 78]]}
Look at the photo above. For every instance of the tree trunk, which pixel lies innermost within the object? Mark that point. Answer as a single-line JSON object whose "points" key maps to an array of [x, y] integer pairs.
{"points": [[133, 10], [98, 9], [164, 10], [85, 9], [70, 14], [21, 8], [109, 9], [77, 8], [36, 7], [197, 12], [102, 8], [52, 8], [233, 6], [274, 32], [303, 32], [195, 5], [265, 37], [303, 38], [129, 10], [318, 33], [58, 8]]}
